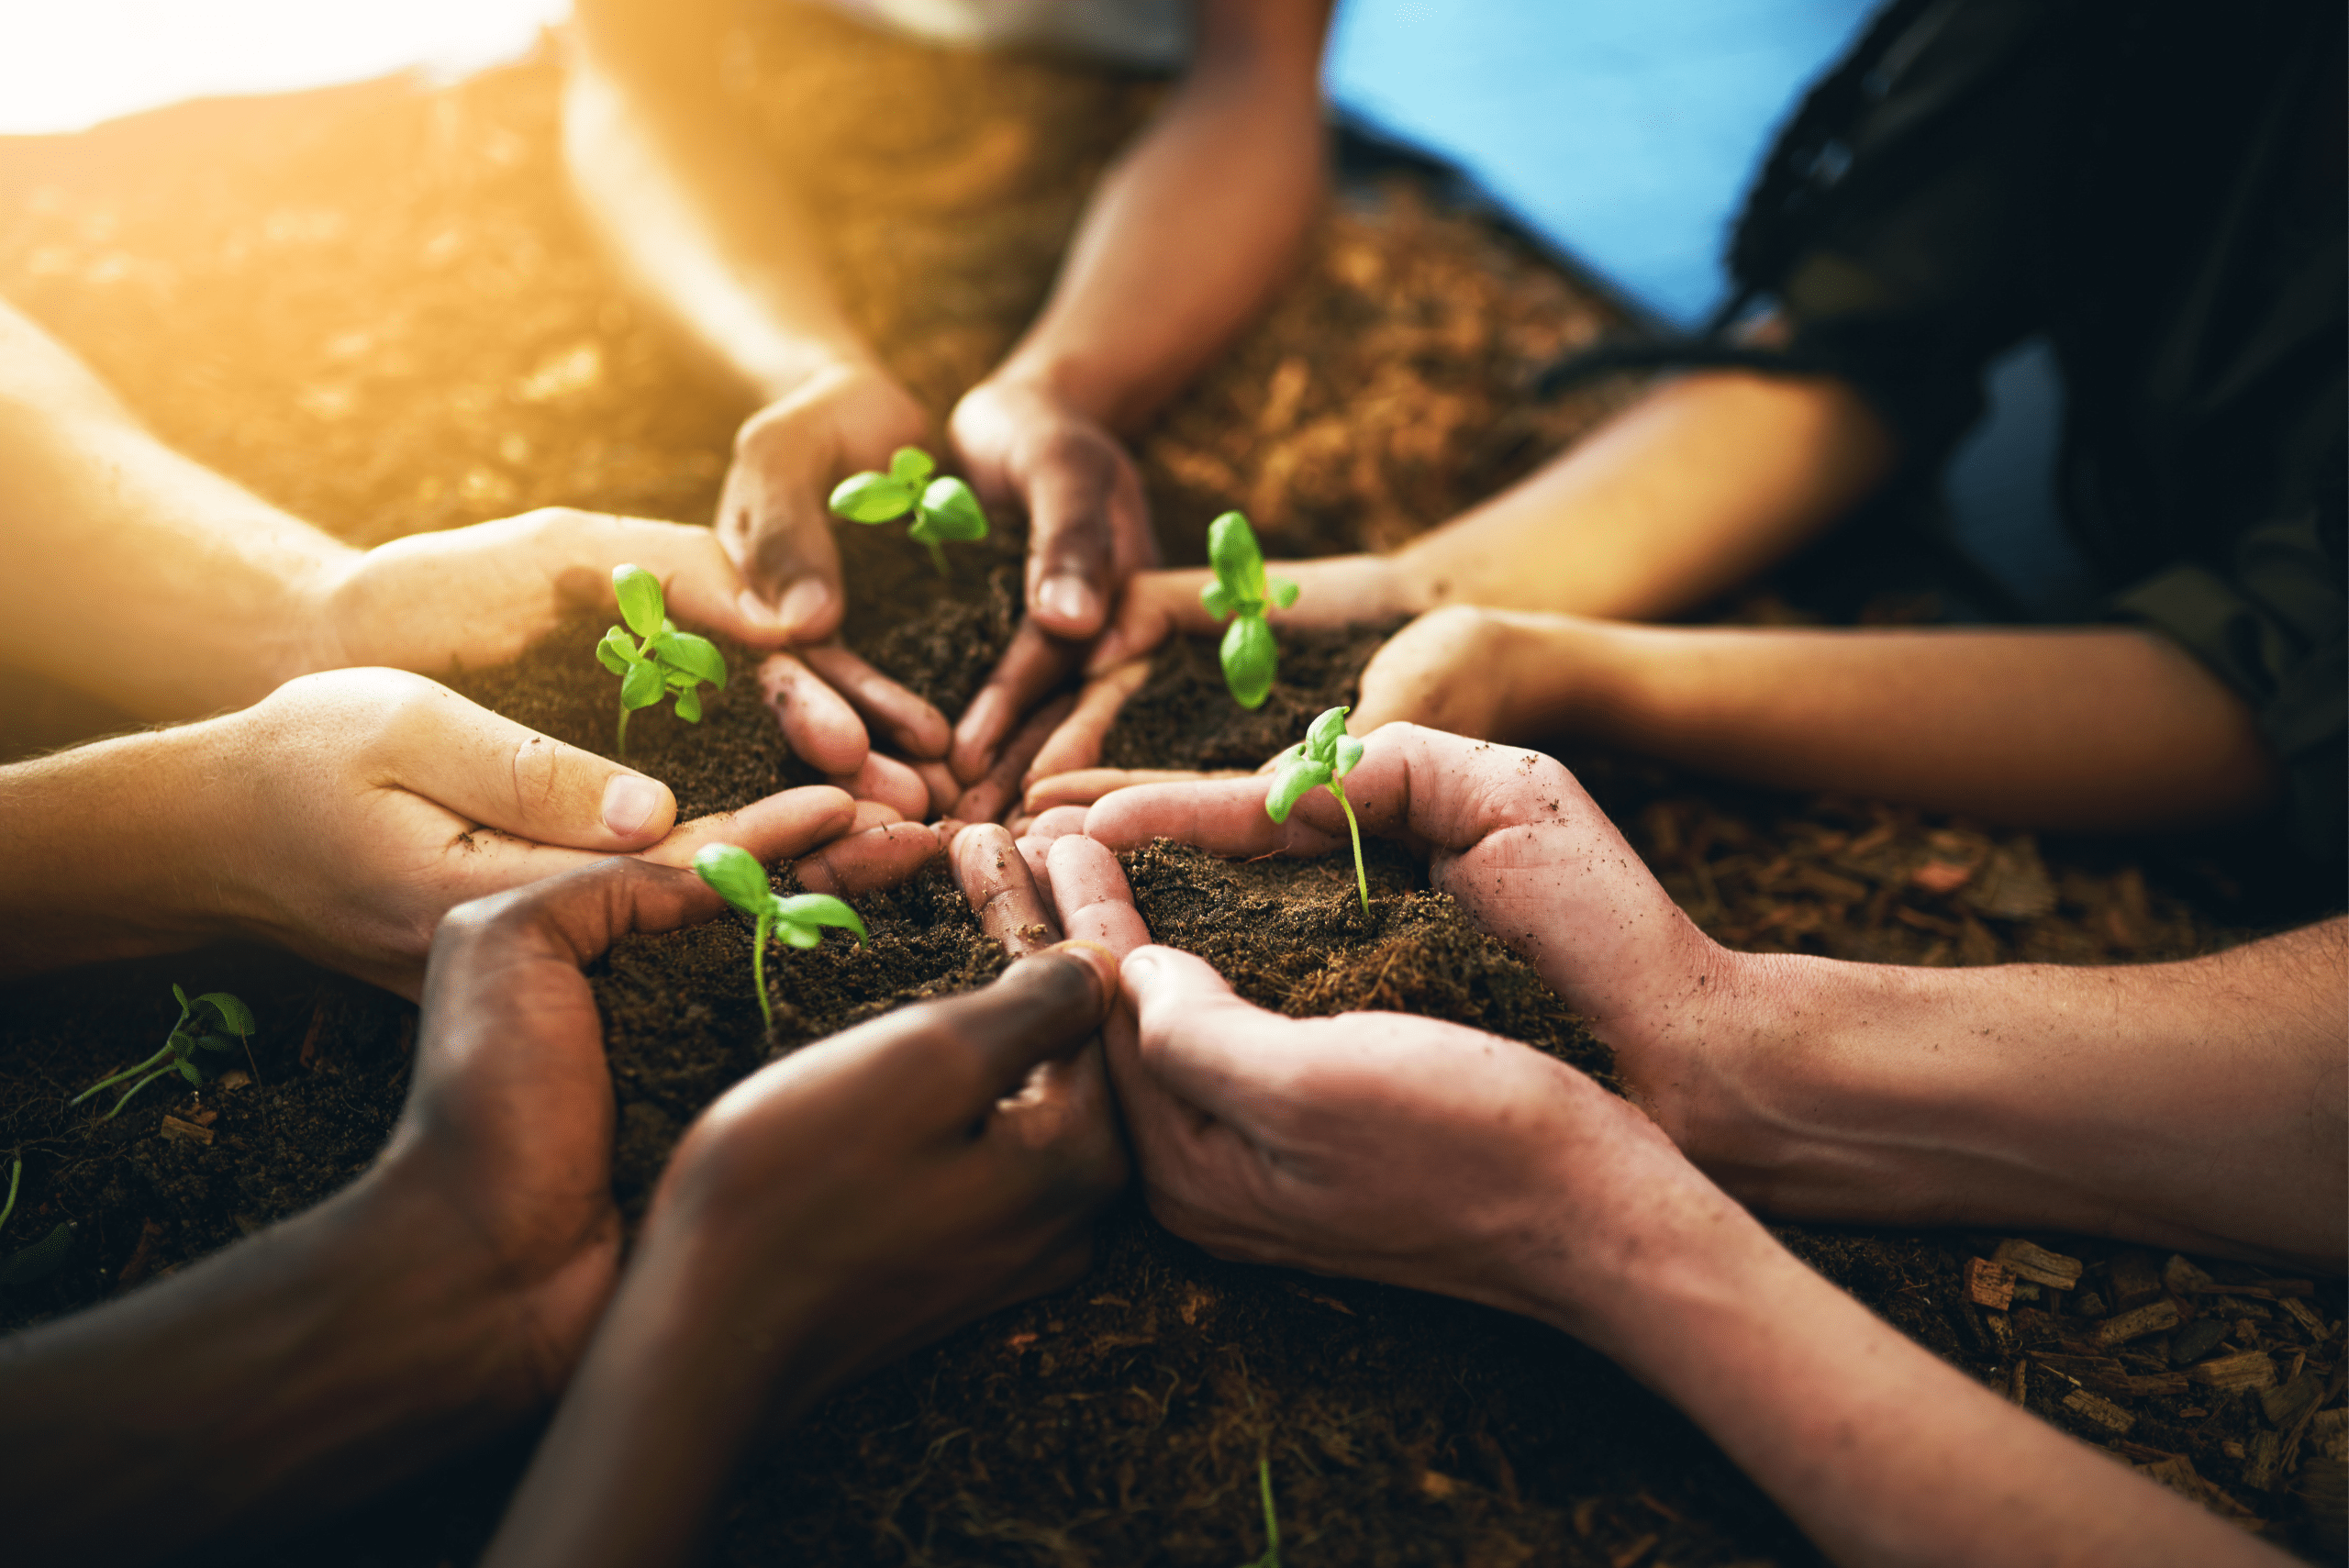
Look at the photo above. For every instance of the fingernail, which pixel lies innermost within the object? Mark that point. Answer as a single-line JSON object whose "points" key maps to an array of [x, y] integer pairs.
{"points": [[629, 801], [1067, 597], [806, 600], [756, 610], [1139, 972]]}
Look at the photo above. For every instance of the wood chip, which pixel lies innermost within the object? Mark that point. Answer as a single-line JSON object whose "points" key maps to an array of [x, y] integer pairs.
{"points": [[2098, 1410], [2053, 1270], [1633, 1552], [2284, 1405], [1989, 1284], [2261, 1469], [2138, 1323], [2136, 1281], [185, 1131], [1940, 877], [2305, 1316], [2184, 1278], [2244, 1369]]}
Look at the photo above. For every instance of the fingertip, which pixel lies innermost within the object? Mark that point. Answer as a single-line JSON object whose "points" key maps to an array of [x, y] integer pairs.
{"points": [[1066, 604], [809, 610], [638, 810], [872, 813], [1101, 961]]}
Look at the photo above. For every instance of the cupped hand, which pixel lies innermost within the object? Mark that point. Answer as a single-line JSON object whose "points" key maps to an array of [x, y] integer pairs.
{"points": [[1374, 1145], [345, 813], [1528, 854], [482, 594]]}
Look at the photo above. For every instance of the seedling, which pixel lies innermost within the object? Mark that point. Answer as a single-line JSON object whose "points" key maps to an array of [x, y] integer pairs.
{"points": [[942, 508], [214, 1021], [666, 661], [1272, 1558], [799, 920], [43, 1256], [1241, 590], [1322, 759]]}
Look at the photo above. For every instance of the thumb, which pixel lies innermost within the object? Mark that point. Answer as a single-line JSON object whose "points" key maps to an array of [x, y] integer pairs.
{"points": [[1195, 1038], [490, 770]]}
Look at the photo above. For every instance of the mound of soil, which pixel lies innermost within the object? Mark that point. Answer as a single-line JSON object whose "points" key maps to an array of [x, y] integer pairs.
{"points": [[448, 347]]}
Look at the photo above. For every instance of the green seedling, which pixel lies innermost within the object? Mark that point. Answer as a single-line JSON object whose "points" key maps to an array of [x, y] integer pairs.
{"points": [[16, 1174], [742, 881], [43, 1256], [1241, 590], [214, 1021], [1272, 1558], [942, 508], [667, 659], [1322, 760]]}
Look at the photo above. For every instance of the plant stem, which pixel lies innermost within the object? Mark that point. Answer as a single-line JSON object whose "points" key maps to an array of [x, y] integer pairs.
{"points": [[937, 556], [759, 969], [159, 1073], [1272, 1558], [125, 1073], [622, 747], [1362, 881], [15, 1174]]}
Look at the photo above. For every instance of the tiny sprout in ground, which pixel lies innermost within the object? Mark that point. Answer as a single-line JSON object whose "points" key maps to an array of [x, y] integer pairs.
{"points": [[742, 881], [215, 1021], [942, 508], [1241, 590], [1322, 760], [667, 661]]}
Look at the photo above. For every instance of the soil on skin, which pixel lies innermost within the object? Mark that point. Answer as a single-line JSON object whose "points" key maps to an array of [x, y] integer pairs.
{"points": [[375, 306]]}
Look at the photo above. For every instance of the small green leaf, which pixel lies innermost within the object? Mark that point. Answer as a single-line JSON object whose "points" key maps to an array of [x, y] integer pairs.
{"points": [[1232, 552], [737, 875], [698, 656], [235, 1016], [1349, 753], [643, 685], [40, 1259], [180, 995], [911, 465], [1284, 592], [811, 910], [1327, 727], [180, 1041], [638, 593], [1296, 777], [1251, 659], [217, 1042], [1217, 600], [872, 498], [951, 511], [617, 650], [190, 1071], [689, 705]]}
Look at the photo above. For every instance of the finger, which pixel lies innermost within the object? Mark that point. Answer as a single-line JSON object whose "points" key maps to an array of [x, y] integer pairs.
{"points": [[1032, 665], [489, 770], [1078, 742], [911, 725], [1195, 1038], [995, 878], [1057, 823], [988, 800], [1071, 539], [944, 788], [1152, 606], [890, 783], [818, 722], [879, 857], [698, 578], [785, 549], [566, 920], [980, 1046], [1086, 786], [1062, 1118], [1037, 853], [1091, 895]]}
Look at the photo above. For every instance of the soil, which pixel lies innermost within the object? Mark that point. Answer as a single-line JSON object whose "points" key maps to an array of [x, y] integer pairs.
{"points": [[375, 307]]}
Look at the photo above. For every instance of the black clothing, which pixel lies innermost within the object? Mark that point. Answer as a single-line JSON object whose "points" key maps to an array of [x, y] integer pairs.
{"points": [[2160, 189]]}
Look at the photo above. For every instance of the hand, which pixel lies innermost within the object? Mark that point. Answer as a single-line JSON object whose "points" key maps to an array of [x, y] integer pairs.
{"points": [[486, 593], [1531, 860], [345, 813], [1088, 530], [860, 1197], [1469, 671]]}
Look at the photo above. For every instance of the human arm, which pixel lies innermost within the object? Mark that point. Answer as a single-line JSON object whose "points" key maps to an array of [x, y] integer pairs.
{"points": [[1183, 240], [341, 817], [2152, 1103]]}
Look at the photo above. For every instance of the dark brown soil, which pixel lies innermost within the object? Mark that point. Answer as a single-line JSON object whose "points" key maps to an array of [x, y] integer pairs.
{"points": [[375, 306]]}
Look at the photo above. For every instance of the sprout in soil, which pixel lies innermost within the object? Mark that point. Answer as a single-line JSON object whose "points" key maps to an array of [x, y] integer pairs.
{"points": [[1241, 591], [207, 1022], [1324, 757], [742, 881], [43, 1256], [666, 661], [1272, 1558], [942, 508]]}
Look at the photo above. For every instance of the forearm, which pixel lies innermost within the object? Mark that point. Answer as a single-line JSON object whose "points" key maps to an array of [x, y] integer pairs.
{"points": [[153, 581], [1188, 235], [1700, 485], [2196, 1106], [692, 211], [311, 1365], [2096, 729], [1820, 1403]]}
